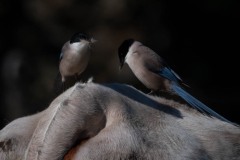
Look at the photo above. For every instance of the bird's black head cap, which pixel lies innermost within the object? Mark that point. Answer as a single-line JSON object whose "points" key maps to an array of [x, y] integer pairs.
{"points": [[123, 50], [77, 37]]}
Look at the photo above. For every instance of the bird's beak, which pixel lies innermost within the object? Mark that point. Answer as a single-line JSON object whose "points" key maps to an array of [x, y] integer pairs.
{"points": [[121, 65], [93, 40], [122, 61]]}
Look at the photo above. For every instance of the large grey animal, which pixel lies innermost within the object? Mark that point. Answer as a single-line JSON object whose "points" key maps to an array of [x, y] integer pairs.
{"points": [[116, 121]]}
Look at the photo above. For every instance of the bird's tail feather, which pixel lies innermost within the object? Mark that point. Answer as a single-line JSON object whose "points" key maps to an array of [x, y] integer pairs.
{"points": [[196, 103]]}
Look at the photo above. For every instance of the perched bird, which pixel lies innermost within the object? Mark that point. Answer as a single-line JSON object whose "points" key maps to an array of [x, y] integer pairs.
{"points": [[155, 74], [75, 55]]}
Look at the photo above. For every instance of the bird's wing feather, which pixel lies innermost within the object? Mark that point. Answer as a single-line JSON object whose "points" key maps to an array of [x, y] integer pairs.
{"points": [[154, 63], [151, 60], [169, 74], [176, 75]]}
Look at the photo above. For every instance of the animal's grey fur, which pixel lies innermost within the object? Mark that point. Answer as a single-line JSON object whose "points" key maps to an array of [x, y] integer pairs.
{"points": [[117, 121], [15, 137]]}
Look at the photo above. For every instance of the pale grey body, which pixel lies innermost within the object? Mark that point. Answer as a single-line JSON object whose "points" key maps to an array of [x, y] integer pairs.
{"points": [[114, 122], [75, 58], [146, 65]]}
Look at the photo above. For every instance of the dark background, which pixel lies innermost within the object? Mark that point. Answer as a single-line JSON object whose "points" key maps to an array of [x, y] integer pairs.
{"points": [[199, 40]]}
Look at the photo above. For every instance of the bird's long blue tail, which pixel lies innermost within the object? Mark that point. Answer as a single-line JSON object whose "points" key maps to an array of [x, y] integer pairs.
{"points": [[196, 103]]}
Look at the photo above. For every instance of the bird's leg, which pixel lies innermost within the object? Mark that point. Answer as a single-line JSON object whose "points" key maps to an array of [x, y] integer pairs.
{"points": [[63, 83]]}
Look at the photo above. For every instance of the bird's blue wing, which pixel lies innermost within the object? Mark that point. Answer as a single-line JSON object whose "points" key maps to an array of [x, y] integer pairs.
{"points": [[169, 74]]}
